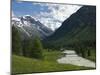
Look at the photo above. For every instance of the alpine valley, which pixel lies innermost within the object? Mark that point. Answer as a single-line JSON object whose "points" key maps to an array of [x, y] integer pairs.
{"points": [[78, 30], [37, 48]]}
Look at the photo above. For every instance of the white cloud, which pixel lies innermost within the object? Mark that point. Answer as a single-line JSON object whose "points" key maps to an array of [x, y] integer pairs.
{"points": [[58, 13]]}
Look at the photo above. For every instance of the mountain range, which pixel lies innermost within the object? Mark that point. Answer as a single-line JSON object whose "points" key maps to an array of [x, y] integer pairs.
{"points": [[78, 29], [29, 27]]}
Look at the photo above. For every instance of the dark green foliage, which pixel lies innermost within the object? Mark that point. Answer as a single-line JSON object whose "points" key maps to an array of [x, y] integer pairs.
{"points": [[16, 41], [77, 32], [84, 49], [33, 48], [37, 48], [89, 52], [27, 47]]}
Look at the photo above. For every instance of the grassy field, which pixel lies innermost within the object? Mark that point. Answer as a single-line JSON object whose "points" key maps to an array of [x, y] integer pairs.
{"points": [[93, 56], [22, 64]]}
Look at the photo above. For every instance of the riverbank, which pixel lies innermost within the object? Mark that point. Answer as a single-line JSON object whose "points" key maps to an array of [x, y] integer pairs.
{"points": [[22, 64]]}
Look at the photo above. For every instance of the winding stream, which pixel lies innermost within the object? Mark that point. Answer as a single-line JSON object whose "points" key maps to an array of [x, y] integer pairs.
{"points": [[72, 58]]}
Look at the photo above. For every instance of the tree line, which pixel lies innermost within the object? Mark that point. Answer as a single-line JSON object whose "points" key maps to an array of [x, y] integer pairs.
{"points": [[31, 47]]}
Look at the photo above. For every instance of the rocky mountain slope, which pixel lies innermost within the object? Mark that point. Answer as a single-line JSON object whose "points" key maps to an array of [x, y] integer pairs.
{"points": [[29, 27]]}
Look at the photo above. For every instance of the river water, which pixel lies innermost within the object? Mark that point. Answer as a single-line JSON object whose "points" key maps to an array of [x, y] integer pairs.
{"points": [[72, 58]]}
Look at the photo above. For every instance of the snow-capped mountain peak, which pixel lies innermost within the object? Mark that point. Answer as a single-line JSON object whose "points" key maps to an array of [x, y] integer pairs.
{"points": [[30, 26]]}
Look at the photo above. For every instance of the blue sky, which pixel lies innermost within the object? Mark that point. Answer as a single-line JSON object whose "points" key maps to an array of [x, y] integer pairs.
{"points": [[51, 15], [24, 8]]}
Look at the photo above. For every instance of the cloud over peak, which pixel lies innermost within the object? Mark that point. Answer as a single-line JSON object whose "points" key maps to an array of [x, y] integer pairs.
{"points": [[56, 14]]}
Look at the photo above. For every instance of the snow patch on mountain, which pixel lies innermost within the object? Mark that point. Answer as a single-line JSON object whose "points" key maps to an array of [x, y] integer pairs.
{"points": [[31, 27]]}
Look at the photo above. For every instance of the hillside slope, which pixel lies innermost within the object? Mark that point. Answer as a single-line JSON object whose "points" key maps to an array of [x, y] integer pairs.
{"points": [[80, 27]]}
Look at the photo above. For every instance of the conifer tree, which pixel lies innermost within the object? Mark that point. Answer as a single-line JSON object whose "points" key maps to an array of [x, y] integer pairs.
{"points": [[37, 48], [16, 41]]}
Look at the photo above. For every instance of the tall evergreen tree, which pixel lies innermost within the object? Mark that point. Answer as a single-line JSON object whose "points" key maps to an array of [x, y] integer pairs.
{"points": [[16, 41], [37, 48]]}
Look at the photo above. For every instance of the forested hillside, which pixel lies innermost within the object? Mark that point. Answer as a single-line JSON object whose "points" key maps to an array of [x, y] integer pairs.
{"points": [[79, 28]]}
